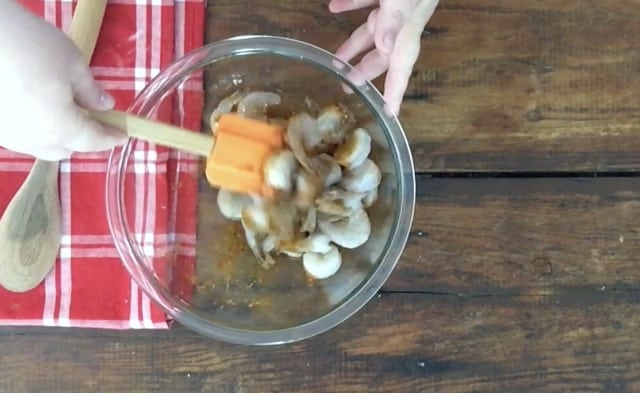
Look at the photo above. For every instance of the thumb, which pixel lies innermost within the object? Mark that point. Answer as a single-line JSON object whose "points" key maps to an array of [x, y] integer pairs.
{"points": [[88, 93], [89, 135]]}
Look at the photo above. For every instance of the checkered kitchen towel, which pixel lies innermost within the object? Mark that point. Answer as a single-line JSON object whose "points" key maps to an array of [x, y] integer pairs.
{"points": [[89, 287]]}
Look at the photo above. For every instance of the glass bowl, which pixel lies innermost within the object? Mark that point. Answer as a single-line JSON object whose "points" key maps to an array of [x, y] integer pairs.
{"points": [[219, 289]]}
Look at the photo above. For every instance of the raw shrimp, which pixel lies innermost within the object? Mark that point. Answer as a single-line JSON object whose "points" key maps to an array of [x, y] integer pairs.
{"points": [[299, 126], [226, 105], [350, 232], [322, 265], [362, 178], [255, 104], [354, 150], [279, 169], [231, 204], [325, 177]]}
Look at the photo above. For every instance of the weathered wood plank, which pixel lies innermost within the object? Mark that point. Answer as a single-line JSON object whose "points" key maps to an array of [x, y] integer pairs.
{"points": [[400, 343], [469, 309], [507, 285], [500, 85], [491, 236]]}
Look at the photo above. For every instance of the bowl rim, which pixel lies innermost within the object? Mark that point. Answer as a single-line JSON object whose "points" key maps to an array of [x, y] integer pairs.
{"points": [[361, 295]]}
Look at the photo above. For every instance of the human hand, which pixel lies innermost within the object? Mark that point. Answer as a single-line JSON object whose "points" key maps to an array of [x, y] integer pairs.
{"points": [[45, 83], [391, 35]]}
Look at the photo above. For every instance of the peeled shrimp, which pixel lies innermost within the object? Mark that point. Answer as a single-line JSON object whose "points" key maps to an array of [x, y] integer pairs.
{"points": [[310, 221], [299, 125], [316, 242], [325, 179], [266, 226], [337, 202], [354, 150], [307, 188], [362, 178], [255, 104], [279, 169], [231, 204], [327, 168], [350, 232], [322, 265], [259, 245], [333, 122], [226, 105], [255, 222], [370, 198]]}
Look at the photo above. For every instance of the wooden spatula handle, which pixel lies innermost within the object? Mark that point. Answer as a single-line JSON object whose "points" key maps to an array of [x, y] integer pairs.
{"points": [[157, 132], [86, 24]]}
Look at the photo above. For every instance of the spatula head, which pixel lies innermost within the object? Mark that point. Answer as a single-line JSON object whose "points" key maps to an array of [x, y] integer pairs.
{"points": [[256, 130], [241, 147]]}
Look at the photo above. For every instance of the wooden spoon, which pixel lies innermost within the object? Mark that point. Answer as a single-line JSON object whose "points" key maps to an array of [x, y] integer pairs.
{"points": [[30, 226]]}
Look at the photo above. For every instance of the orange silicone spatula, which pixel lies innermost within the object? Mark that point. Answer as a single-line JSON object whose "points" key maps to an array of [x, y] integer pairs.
{"points": [[235, 156]]}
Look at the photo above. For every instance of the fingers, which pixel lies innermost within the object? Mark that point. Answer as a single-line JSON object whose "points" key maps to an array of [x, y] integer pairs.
{"points": [[86, 91], [80, 134], [52, 154], [359, 41], [91, 136], [45, 153], [373, 64], [395, 29], [337, 6], [405, 54], [391, 17]]}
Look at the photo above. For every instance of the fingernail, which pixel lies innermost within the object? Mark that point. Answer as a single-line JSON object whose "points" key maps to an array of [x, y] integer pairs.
{"points": [[106, 100], [389, 42], [346, 89]]}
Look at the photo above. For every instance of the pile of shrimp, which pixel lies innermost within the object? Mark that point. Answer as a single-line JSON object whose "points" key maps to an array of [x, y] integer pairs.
{"points": [[324, 179]]}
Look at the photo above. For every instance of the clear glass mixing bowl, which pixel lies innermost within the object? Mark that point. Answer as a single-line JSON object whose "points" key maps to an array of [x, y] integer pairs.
{"points": [[231, 298]]}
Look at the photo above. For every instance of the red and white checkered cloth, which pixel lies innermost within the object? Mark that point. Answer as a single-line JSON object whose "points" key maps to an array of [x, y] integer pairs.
{"points": [[89, 287]]}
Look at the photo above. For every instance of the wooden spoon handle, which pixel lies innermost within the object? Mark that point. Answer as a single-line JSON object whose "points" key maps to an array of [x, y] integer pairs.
{"points": [[157, 132]]}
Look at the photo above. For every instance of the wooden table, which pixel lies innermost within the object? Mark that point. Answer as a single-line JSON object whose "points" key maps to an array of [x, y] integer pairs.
{"points": [[522, 270]]}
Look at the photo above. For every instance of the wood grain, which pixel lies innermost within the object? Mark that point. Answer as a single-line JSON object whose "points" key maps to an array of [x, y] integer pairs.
{"points": [[514, 282], [514, 285], [500, 85], [400, 343], [493, 236]]}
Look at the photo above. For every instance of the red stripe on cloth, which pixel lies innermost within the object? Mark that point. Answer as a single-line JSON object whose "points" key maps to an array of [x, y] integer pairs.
{"points": [[89, 287]]}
